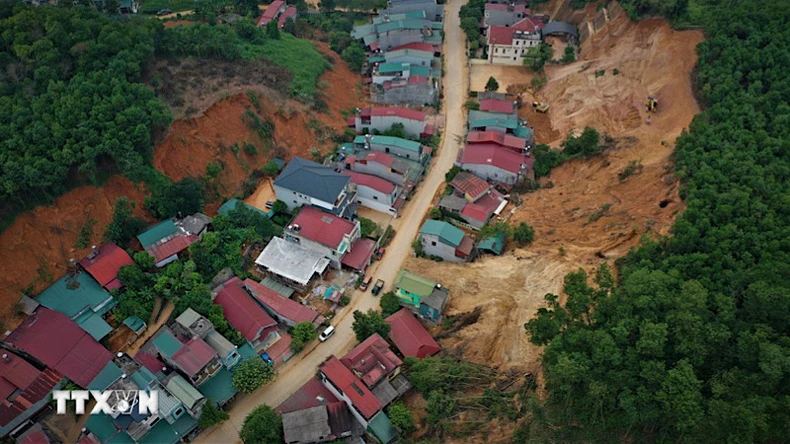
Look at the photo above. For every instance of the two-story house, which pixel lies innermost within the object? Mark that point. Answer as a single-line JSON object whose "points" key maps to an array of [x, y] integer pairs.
{"points": [[323, 232], [493, 163], [415, 57], [508, 45], [431, 8], [438, 238], [194, 358], [473, 199], [193, 323], [396, 146], [304, 182], [376, 193], [379, 164], [421, 295]]}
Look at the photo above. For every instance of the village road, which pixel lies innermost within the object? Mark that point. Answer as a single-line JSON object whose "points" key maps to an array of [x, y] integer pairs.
{"points": [[297, 371]]}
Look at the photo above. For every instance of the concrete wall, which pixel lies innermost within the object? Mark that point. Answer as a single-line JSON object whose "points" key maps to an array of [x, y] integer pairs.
{"points": [[379, 170], [490, 172], [376, 200], [444, 251]]}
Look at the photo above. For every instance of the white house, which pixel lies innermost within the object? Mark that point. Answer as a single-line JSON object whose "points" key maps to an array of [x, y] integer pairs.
{"points": [[376, 193], [323, 232], [509, 45], [303, 182]]}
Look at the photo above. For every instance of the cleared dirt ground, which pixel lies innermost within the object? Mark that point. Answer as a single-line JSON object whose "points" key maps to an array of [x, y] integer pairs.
{"points": [[506, 76]]}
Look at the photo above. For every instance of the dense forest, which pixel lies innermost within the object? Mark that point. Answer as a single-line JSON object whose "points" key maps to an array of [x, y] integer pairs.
{"points": [[692, 342], [73, 107]]}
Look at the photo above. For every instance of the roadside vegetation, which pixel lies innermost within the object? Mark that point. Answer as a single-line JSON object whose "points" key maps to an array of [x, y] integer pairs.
{"points": [[690, 342]]}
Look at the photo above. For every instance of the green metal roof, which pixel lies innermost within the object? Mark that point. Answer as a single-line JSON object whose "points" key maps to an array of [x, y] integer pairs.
{"points": [[184, 391], [447, 233], [502, 123], [435, 39], [157, 233], [494, 244], [219, 388], [102, 426], [401, 16], [162, 433], [377, 59], [400, 24], [408, 52], [70, 296], [381, 427], [370, 38], [231, 204], [414, 283], [397, 142], [280, 288], [362, 30], [167, 344], [437, 25], [359, 139], [523, 132], [134, 323], [144, 379], [246, 351], [109, 374], [94, 324], [185, 424], [385, 68], [417, 70]]}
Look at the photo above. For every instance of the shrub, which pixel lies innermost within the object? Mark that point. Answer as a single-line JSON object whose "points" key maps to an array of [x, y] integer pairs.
{"points": [[436, 213], [124, 225], [250, 148], [367, 324], [472, 104], [270, 168], [344, 300], [492, 84], [211, 415], [249, 375], [523, 234], [301, 334], [401, 418], [263, 425], [389, 304]]}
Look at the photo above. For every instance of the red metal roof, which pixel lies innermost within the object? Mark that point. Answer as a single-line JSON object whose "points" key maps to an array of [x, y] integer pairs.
{"points": [[490, 201], [242, 311], [359, 395], [22, 385], [395, 111], [271, 12], [370, 181], [429, 130], [361, 252], [175, 245], [468, 183], [378, 157], [414, 80], [411, 338], [279, 304], [105, 265], [500, 35], [491, 154], [465, 247], [497, 106], [308, 396], [505, 140], [193, 356], [528, 25], [372, 359], [324, 228], [58, 342], [149, 361], [288, 13], [419, 46], [476, 212], [34, 436]]}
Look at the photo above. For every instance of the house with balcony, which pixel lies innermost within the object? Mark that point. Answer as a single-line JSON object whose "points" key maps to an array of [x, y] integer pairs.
{"points": [[508, 45], [304, 182], [286, 311], [377, 366], [165, 240], [508, 141], [378, 164], [194, 357], [323, 232], [192, 323], [376, 193]]}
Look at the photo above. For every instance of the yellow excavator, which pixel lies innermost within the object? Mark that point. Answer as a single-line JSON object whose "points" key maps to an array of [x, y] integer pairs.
{"points": [[651, 104], [541, 107]]}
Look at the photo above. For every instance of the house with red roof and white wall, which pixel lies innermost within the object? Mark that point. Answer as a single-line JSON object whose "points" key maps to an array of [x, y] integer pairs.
{"points": [[376, 193], [323, 232], [507, 45], [382, 119]]}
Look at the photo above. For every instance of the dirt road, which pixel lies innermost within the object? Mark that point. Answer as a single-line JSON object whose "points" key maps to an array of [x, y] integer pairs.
{"points": [[302, 367]]}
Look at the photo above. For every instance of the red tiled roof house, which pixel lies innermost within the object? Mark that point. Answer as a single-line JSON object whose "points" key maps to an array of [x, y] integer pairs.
{"points": [[507, 45], [349, 389], [24, 390], [409, 335], [285, 310], [382, 119], [104, 263], [246, 316], [323, 232]]}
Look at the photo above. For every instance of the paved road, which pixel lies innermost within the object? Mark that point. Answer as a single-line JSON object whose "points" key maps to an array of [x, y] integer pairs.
{"points": [[303, 366]]}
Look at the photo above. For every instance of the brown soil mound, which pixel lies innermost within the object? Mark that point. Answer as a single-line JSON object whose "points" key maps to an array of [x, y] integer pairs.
{"points": [[36, 249]]}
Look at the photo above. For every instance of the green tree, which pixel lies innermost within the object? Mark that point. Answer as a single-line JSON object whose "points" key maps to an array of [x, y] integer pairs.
{"points": [[523, 234], [368, 324], [280, 207], [211, 415], [537, 56], [354, 56], [472, 104], [435, 213], [367, 227], [271, 168], [495, 229], [416, 245], [397, 130], [301, 334], [273, 30], [401, 418], [492, 84], [144, 260], [251, 374], [586, 144], [389, 304], [124, 225], [570, 54], [450, 175], [183, 198], [262, 426]]}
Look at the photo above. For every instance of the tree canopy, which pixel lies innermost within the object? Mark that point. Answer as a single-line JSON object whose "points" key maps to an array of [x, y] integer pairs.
{"points": [[367, 324], [248, 375], [691, 344], [262, 426]]}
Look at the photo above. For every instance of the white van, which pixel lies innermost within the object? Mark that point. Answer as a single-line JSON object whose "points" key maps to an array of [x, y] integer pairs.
{"points": [[326, 333]]}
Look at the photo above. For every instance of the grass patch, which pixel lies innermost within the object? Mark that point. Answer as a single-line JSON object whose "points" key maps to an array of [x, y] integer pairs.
{"points": [[153, 6], [298, 56]]}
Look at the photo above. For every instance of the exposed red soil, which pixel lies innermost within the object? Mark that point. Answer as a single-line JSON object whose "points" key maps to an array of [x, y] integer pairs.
{"points": [[40, 243]]}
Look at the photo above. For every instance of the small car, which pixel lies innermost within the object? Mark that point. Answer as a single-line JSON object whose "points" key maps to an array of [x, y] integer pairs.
{"points": [[326, 333], [365, 283], [267, 358], [380, 253], [377, 288], [164, 12], [270, 204]]}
